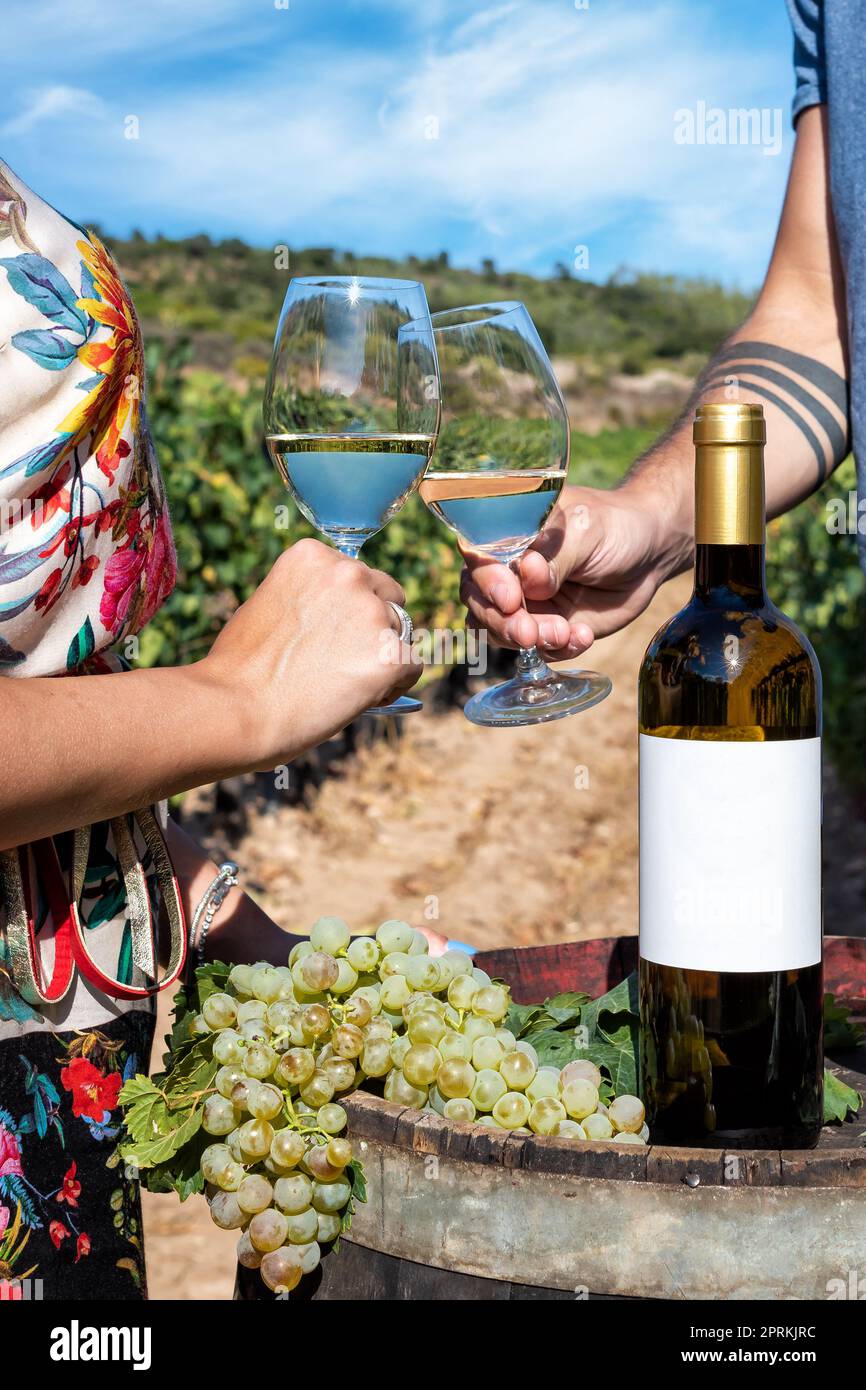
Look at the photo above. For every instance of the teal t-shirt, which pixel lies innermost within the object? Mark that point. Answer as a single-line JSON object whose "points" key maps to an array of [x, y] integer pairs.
{"points": [[830, 68]]}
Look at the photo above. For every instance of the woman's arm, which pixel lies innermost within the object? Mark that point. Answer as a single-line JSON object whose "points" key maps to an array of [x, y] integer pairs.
{"points": [[312, 648]]}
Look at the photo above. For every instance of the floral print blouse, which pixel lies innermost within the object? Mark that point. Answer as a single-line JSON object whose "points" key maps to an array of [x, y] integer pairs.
{"points": [[86, 555], [86, 558]]}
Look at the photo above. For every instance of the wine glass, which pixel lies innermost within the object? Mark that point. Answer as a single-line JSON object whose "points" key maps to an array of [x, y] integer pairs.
{"points": [[500, 463], [351, 410]]}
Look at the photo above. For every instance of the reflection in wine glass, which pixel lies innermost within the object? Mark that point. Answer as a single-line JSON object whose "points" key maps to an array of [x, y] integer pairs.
{"points": [[351, 408], [500, 464]]}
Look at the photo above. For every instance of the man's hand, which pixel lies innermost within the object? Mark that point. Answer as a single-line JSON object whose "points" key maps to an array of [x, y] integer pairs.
{"points": [[594, 568]]}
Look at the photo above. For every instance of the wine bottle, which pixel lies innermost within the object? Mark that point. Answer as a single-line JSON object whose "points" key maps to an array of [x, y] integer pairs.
{"points": [[730, 832]]}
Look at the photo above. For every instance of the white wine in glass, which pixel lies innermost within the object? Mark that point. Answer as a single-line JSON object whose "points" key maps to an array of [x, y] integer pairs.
{"points": [[500, 463], [351, 407]]}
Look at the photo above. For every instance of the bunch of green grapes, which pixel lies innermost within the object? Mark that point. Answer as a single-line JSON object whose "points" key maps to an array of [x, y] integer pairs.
{"points": [[291, 1039]]}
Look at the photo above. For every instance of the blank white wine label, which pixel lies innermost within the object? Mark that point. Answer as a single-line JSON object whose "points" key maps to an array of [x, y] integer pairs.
{"points": [[730, 853]]}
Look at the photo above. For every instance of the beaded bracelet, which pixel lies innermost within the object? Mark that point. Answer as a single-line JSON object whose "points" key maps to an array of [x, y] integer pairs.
{"points": [[210, 904]]}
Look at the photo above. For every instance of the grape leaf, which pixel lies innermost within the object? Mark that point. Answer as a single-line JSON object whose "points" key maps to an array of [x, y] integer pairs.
{"points": [[211, 979], [521, 1017], [357, 1194], [566, 1008], [840, 1034], [839, 1099], [172, 1131]]}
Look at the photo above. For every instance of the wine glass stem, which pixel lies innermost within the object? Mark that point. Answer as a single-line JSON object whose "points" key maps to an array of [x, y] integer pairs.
{"points": [[530, 666], [350, 548]]}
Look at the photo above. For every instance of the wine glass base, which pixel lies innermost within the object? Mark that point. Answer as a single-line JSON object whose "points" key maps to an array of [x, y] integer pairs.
{"points": [[404, 704], [522, 701]]}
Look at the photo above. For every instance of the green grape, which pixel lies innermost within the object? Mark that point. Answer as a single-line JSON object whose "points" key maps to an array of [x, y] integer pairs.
{"points": [[394, 993], [644, 1132], [256, 1137], [328, 1227], [423, 972], [396, 1020], [260, 1060], [455, 1045], [226, 1079], [254, 1194], [330, 934], [460, 1109], [226, 1213], [319, 1165], [371, 994], [480, 976], [332, 1118], [287, 1148], [342, 1072], [331, 1196], [544, 1083], [338, 1152], [296, 1066], [421, 1064], [287, 985], [626, 1114], [507, 1038], [419, 945], [378, 1030], [315, 1021], [546, 1114], [318, 1090], [293, 1194], [266, 1102], [220, 1011], [218, 1115], [233, 1144], [582, 1069], [570, 1129], [436, 1100], [251, 1009], [362, 953], [232, 1176], [511, 1111], [475, 1028], [488, 1087], [518, 1069], [228, 1049], [487, 1052], [247, 1254], [395, 963], [358, 1011], [347, 1040], [461, 991], [299, 951], [394, 936], [213, 1160], [268, 1230], [308, 1255], [627, 1137], [319, 972], [303, 1226], [597, 1127], [455, 1078], [486, 1120], [426, 1027], [376, 1058], [491, 1002], [451, 1016], [281, 1016], [199, 1027], [526, 1047], [240, 979], [580, 1099], [346, 980], [398, 1089], [301, 988], [446, 971], [255, 1030], [279, 1273], [243, 1092], [266, 984]]}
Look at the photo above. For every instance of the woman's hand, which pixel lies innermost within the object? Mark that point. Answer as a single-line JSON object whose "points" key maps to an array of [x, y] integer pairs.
{"points": [[593, 568], [314, 647]]}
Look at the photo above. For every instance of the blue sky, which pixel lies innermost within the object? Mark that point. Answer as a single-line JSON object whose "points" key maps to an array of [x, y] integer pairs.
{"points": [[552, 126]]}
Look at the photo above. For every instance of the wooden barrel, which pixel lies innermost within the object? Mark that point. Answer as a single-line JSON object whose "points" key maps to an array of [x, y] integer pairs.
{"points": [[468, 1212]]}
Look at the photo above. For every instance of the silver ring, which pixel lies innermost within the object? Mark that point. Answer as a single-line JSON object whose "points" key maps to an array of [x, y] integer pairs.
{"points": [[406, 628]]}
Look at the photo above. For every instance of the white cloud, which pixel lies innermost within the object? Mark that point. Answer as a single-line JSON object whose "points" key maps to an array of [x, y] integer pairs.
{"points": [[49, 102]]}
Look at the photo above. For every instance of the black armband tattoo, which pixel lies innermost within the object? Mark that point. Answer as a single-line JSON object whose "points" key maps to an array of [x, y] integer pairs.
{"points": [[747, 361]]}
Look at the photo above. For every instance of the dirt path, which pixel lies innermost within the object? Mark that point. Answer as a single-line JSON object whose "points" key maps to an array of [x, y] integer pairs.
{"points": [[495, 837]]}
